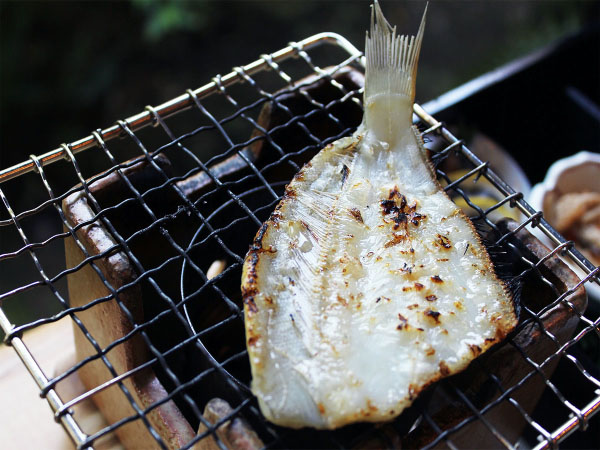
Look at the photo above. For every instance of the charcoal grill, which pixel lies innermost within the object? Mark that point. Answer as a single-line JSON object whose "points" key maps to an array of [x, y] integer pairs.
{"points": [[155, 215]]}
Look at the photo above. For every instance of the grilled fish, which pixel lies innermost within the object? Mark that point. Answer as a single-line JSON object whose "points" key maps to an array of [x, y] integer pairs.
{"points": [[367, 283]]}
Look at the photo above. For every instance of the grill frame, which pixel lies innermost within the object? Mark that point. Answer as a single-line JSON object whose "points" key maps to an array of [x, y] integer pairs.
{"points": [[153, 116]]}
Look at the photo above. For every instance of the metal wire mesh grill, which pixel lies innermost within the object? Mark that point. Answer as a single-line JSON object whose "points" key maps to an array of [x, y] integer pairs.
{"points": [[156, 226]]}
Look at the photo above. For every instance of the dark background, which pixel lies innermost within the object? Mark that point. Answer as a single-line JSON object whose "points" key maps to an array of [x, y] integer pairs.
{"points": [[69, 67]]}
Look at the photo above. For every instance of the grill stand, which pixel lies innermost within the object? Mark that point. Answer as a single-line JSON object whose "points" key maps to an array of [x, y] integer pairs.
{"points": [[107, 324]]}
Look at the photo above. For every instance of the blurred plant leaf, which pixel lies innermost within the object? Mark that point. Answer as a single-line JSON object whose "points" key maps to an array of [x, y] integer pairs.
{"points": [[163, 17]]}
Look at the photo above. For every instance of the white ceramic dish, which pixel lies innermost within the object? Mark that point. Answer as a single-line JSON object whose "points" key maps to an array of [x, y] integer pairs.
{"points": [[577, 173]]}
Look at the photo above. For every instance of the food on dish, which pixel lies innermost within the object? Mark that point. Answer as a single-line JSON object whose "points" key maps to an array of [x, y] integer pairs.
{"points": [[367, 283], [576, 215], [569, 197]]}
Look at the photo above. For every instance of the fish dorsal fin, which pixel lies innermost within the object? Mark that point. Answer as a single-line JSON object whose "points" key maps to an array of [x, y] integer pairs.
{"points": [[391, 70]]}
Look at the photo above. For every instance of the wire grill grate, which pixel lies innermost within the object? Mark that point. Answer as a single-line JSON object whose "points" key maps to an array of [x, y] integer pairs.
{"points": [[169, 201]]}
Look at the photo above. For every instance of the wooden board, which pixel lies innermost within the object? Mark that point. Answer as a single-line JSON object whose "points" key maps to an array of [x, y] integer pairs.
{"points": [[27, 420]]}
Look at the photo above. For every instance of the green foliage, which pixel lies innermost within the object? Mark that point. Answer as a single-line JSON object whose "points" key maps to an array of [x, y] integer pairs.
{"points": [[163, 17]]}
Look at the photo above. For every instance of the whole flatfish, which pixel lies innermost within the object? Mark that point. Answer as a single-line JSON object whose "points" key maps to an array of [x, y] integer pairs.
{"points": [[367, 283]]}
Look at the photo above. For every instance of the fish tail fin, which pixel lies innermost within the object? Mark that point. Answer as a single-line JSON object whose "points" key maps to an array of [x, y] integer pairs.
{"points": [[392, 61]]}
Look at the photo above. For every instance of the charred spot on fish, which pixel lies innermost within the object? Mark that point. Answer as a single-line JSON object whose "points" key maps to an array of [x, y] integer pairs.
{"points": [[275, 216], [436, 279], [249, 289], [500, 334], [291, 280], [251, 304], [354, 212], [416, 286], [345, 171], [253, 257], [259, 236], [406, 268], [253, 340], [394, 193], [397, 206], [420, 329], [389, 206], [431, 298], [251, 277], [290, 192], [430, 352], [490, 340], [400, 219], [397, 239], [403, 322], [342, 300], [416, 218], [365, 413], [321, 408], [403, 202], [444, 369], [475, 349], [443, 259], [413, 306], [378, 300], [443, 241], [433, 315]]}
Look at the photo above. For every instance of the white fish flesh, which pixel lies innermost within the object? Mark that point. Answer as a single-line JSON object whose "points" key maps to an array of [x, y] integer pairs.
{"points": [[367, 283]]}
